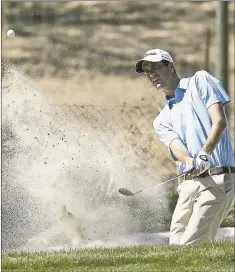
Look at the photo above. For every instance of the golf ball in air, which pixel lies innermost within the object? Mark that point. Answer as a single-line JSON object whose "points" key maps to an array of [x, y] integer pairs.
{"points": [[10, 33]]}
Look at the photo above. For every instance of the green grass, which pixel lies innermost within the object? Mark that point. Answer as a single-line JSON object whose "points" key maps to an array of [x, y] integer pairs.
{"points": [[218, 256], [230, 219]]}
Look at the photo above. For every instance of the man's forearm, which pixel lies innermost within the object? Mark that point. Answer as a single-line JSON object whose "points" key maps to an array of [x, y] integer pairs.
{"points": [[219, 124], [180, 151], [214, 137]]}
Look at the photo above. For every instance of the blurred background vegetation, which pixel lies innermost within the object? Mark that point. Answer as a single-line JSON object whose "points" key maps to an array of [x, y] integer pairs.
{"points": [[108, 37], [83, 54]]}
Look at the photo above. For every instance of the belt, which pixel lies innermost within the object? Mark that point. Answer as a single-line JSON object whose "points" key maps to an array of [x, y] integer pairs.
{"points": [[212, 171]]}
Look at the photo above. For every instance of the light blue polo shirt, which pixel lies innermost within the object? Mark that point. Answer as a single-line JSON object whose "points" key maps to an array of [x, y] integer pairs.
{"points": [[186, 117]]}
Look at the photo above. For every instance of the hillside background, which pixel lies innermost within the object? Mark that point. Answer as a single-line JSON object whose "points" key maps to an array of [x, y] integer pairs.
{"points": [[82, 56]]}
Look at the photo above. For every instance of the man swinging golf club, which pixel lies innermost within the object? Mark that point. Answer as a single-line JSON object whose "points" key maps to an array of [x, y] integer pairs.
{"points": [[193, 126]]}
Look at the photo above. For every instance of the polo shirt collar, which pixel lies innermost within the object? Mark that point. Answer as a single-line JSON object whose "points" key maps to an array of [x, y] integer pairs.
{"points": [[183, 83], [179, 92]]}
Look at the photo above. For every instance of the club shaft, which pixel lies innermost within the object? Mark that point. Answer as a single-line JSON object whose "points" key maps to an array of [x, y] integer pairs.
{"points": [[168, 180]]}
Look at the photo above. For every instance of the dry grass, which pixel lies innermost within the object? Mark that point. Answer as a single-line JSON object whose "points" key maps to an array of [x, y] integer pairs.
{"points": [[108, 37]]}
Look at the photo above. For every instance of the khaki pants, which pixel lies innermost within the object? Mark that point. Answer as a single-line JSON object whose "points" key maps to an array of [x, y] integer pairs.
{"points": [[202, 206]]}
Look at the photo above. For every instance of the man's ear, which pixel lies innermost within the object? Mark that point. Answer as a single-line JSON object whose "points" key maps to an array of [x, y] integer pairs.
{"points": [[171, 67]]}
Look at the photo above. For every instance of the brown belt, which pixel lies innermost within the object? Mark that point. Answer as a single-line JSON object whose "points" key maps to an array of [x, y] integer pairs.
{"points": [[212, 171]]}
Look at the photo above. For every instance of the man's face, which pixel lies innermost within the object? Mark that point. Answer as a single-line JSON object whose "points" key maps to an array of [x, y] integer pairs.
{"points": [[159, 74]]}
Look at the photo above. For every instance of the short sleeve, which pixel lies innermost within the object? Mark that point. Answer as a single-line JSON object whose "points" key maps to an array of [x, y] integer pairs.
{"points": [[164, 131], [210, 89]]}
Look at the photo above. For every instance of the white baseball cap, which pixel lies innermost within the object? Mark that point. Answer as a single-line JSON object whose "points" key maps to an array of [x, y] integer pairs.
{"points": [[153, 55]]}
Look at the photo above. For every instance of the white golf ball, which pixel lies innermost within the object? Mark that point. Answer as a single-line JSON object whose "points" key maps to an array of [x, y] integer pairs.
{"points": [[10, 33]]}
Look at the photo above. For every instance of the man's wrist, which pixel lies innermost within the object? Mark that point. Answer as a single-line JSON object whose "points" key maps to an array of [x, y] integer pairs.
{"points": [[188, 160], [206, 149]]}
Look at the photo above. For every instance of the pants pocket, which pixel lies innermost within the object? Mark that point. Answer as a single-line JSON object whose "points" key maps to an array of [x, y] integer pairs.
{"points": [[215, 181]]}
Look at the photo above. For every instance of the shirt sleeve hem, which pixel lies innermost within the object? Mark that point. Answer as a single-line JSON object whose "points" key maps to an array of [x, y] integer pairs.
{"points": [[217, 101]]}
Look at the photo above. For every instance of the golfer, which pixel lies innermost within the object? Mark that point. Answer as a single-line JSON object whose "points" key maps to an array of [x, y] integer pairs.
{"points": [[194, 127]]}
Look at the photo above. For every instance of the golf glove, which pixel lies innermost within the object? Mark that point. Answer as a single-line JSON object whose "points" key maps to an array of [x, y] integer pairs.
{"points": [[199, 164]]}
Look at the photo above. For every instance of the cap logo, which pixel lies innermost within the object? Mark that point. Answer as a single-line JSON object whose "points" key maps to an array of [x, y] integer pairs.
{"points": [[150, 53]]}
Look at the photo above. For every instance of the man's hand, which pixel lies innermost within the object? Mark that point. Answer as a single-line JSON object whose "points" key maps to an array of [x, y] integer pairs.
{"points": [[194, 166], [198, 165]]}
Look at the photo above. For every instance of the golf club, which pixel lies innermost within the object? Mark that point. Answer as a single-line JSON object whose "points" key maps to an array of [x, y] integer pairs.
{"points": [[127, 192]]}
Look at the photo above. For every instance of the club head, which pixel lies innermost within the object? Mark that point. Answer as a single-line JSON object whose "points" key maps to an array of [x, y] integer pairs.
{"points": [[125, 192]]}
